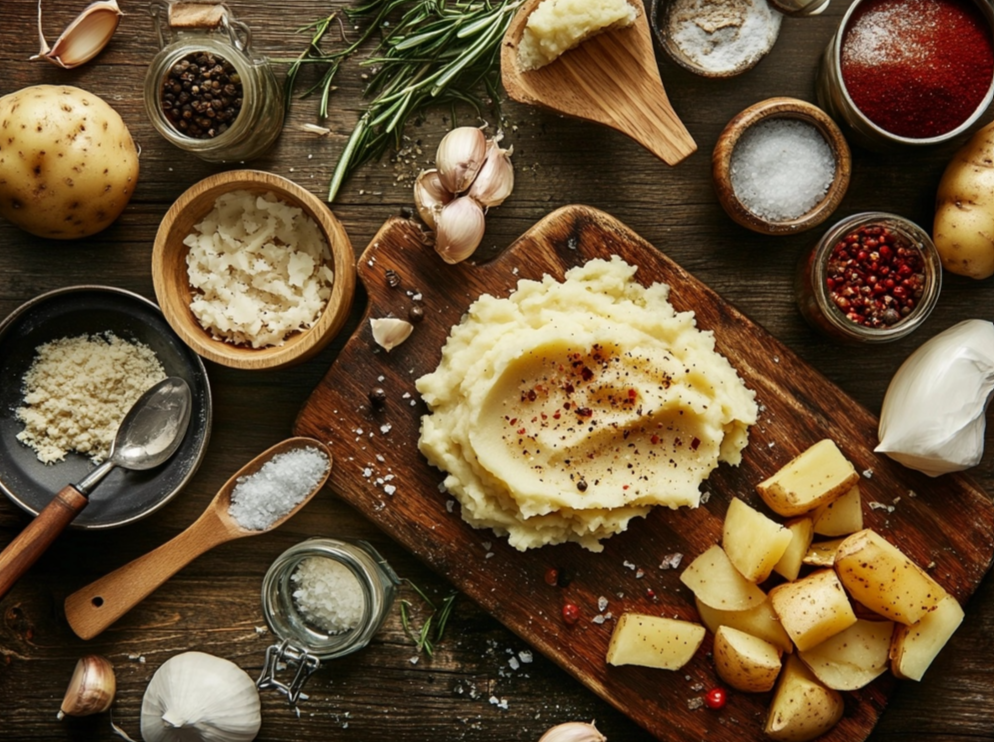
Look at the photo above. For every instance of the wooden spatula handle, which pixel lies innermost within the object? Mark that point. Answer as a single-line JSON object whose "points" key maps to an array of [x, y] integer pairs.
{"points": [[32, 542], [99, 604]]}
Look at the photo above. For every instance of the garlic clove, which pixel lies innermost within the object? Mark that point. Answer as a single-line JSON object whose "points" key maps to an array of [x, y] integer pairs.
{"points": [[459, 157], [573, 731], [389, 332], [84, 38], [91, 688], [430, 196], [495, 180], [459, 229]]}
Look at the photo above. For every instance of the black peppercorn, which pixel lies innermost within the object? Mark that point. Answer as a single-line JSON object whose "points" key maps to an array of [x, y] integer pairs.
{"points": [[201, 95], [377, 396], [416, 314]]}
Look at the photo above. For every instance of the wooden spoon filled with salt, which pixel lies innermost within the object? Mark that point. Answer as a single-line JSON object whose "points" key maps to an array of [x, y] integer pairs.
{"points": [[261, 496], [611, 79]]}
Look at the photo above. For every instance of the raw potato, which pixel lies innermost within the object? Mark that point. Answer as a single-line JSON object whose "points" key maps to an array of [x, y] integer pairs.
{"points": [[963, 231], [68, 165], [802, 707], [815, 477], [753, 542], [914, 647], [812, 609], [802, 531], [852, 658], [840, 517], [760, 621], [884, 579], [745, 662], [654, 641], [715, 581]]}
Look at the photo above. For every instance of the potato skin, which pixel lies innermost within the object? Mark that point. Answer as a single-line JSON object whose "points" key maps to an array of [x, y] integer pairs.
{"points": [[68, 165], [963, 230]]}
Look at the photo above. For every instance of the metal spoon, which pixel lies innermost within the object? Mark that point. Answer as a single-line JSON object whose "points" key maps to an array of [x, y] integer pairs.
{"points": [[149, 434]]}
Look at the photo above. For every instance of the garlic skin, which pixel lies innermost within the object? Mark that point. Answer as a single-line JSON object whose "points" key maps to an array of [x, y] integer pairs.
{"points": [[389, 332], [933, 415], [573, 731], [91, 689], [459, 229], [459, 158], [430, 196], [84, 38], [495, 181], [196, 697]]}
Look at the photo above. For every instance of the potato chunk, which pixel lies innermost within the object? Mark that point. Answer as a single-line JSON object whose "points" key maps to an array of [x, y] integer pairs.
{"points": [[884, 579], [812, 609], [852, 658], [744, 661], [654, 641], [803, 708], [753, 542], [822, 553], [760, 621], [715, 581], [801, 533], [914, 647], [817, 476], [840, 517]]}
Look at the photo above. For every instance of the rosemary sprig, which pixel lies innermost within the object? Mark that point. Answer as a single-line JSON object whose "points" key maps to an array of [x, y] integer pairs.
{"points": [[424, 639]]}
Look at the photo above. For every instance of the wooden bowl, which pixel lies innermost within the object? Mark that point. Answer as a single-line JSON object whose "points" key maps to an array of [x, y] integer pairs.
{"points": [[174, 293], [788, 108]]}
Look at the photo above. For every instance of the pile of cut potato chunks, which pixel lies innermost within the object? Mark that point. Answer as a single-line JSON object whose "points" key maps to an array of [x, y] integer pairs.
{"points": [[905, 616]]}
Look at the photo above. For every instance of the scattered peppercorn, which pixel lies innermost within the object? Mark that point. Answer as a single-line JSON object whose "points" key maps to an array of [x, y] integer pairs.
{"points": [[716, 698], [201, 95], [551, 576], [416, 314], [571, 614], [564, 578], [377, 396], [393, 280], [406, 212]]}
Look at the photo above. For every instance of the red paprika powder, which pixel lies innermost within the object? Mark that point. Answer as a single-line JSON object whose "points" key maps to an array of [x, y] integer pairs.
{"points": [[917, 68]]}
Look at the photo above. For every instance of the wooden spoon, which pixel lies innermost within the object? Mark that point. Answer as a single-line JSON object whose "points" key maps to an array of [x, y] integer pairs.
{"points": [[610, 79], [101, 603]]}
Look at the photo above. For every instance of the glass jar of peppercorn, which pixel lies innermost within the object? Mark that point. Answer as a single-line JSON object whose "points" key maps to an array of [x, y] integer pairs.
{"points": [[206, 92], [872, 278]]}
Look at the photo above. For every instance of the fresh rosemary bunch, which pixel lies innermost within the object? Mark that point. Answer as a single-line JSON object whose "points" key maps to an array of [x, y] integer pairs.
{"points": [[439, 52]]}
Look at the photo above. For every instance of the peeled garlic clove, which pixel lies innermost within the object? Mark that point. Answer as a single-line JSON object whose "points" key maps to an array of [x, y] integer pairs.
{"points": [[91, 688], [495, 180], [459, 158], [389, 332], [84, 38], [430, 196], [573, 731], [459, 229]]}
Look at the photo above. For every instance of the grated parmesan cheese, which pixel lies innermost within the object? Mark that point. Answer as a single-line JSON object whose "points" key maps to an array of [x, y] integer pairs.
{"points": [[78, 390], [258, 267]]}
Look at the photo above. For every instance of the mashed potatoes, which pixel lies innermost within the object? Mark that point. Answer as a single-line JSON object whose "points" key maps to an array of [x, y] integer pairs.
{"points": [[567, 409], [556, 26]]}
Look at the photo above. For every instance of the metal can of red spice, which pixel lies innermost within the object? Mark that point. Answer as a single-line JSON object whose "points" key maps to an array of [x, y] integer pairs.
{"points": [[923, 71], [874, 277]]}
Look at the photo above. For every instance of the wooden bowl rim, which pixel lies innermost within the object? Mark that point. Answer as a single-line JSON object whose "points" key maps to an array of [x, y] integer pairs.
{"points": [[168, 248], [780, 107]]}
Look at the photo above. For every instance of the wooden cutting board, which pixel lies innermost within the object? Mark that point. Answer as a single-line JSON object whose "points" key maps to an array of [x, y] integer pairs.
{"points": [[947, 523]]}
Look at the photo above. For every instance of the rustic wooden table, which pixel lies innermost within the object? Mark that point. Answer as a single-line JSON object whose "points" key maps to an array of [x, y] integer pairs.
{"points": [[468, 689]]}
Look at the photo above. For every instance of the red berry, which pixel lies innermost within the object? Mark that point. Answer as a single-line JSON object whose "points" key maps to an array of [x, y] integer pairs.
{"points": [[551, 576], [716, 698], [571, 614]]}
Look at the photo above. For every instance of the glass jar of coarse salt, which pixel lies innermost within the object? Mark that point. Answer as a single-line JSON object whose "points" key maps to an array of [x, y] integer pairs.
{"points": [[323, 598], [207, 92]]}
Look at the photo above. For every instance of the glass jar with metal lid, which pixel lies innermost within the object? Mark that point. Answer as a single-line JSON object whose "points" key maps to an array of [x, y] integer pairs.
{"points": [[206, 91], [290, 608]]}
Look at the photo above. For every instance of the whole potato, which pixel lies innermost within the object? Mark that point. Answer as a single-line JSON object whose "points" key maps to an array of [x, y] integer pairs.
{"points": [[68, 165], [963, 231]]}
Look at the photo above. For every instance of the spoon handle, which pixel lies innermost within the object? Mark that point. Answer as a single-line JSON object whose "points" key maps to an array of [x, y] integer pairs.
{"points": [[32, 542], [96, 606]]}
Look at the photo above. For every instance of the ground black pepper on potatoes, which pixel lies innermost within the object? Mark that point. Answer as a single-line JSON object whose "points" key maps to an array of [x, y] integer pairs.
{"points": [[202, 95]]}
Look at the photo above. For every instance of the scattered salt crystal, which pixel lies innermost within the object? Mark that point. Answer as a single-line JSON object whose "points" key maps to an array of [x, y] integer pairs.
{"points": [[868, 473], [671, 561], [486, 545], [601, 603], [328, 594], [261, 630], [513, 662], [781, 168], [629, 565], [598, 619], [705, 496], [695, 703], [260, 499], [639, 573], [450, 505], [874, 505], [525, 656], [390, 489], [386, 428], [413, 660]]}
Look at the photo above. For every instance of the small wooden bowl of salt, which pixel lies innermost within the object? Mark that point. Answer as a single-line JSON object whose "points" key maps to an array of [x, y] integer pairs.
{"points": [[781, 166], [253, 271]]}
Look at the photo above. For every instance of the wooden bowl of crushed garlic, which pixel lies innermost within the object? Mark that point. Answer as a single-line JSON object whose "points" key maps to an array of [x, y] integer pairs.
{"points": [[253, 271]]}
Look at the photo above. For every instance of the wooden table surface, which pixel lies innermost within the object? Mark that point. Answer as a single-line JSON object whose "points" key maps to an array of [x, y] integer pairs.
{"points": [[468, 689]]}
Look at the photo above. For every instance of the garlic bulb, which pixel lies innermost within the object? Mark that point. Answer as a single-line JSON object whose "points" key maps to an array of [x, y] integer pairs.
{"points": [[459, 229], [389, 332], [573, 731], [196, 696], [430, 196], [933, 413], [459, 157], [495, 180], [91, 688], [84, 38]]}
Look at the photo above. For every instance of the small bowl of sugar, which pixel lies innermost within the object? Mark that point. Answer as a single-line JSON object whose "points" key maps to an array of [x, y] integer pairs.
{"points": [[781, 166]]}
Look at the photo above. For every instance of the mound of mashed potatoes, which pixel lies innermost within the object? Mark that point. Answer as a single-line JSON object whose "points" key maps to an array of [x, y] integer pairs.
{"points": [[567, 409]]}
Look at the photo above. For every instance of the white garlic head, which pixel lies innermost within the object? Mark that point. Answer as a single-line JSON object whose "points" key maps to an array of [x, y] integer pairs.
{"points": [[197, 697]]}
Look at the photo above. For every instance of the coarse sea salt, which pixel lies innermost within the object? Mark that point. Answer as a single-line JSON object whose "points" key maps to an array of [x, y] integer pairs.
{"points": [[781, 168], [327, 594], [259, 500]]}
